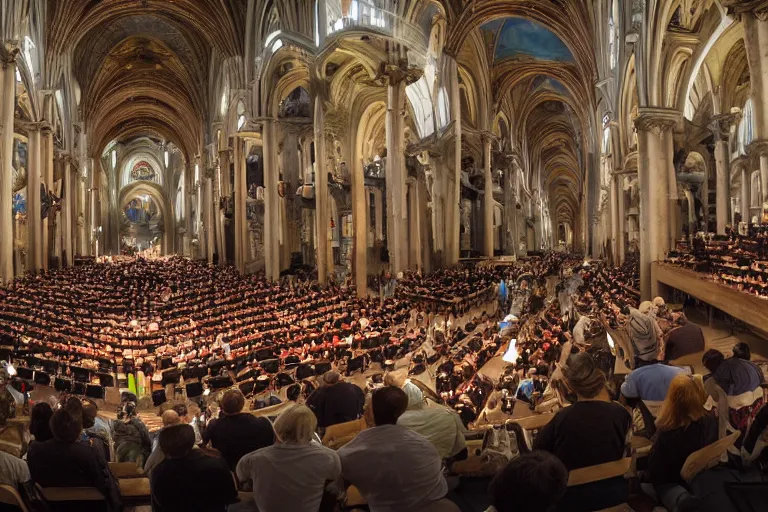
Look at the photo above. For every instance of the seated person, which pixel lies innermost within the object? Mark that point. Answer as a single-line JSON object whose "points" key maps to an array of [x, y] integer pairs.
{"points": [[236, 433], [65, 462], [13, 471], [292, 473], [440, 425], [741, 382], [684, 340], [683, 427], [646, 388], [131, 437], [336, 401], [98, 436], [39, 422], [170, 418], [395, 469], [188, 479], [642, 332], [532, 482], [592, 431]]}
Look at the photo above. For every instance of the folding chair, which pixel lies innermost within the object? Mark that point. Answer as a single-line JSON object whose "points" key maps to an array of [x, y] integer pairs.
{"points": [[10, 496]]}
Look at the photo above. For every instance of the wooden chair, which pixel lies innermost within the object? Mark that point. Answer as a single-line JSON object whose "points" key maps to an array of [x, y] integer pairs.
{"points": [[599, 472], [134, 488], [337, 436], [708, 457], [126, 470], [55, 494], [354, 498], [10, 496]]}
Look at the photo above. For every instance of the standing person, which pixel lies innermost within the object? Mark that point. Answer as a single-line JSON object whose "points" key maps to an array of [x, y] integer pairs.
{"points": [[292, 473], [188, 479], [684, 426], [394, 468], [236, 433], [336, 401], [131, 437]]}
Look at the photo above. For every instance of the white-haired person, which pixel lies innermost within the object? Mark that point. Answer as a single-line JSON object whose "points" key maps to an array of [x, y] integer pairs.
{"points": [[293, 473]]}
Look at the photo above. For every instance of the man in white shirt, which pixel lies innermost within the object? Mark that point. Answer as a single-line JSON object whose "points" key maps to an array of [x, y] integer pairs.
{"points": [[439, 425], [394, 468], [13, 471]]}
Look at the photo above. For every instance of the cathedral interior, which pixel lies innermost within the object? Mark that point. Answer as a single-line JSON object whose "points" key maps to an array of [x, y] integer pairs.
{"points": [[382, 144]]}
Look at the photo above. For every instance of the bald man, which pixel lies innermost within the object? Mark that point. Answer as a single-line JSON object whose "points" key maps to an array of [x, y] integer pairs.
{"points": [[170, 418]]}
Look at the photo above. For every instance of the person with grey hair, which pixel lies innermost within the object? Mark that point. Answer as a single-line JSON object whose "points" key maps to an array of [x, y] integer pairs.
{"points": [[336, 401], [292, 474], [590, 432], [170, 418]]}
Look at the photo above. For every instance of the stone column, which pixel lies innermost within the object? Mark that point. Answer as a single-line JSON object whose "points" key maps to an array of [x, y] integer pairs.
{"points": [[7, 103], [745, 200], [34, 222], [360, 213], [615, 220], [68, 210], [414, 226], [210, 229], [95, 208], [654, 135], [271, 205], [450, 77], [396, 173], [720, 127], [46, 175], [754, 15], [321, 194], [691, 209], [224, 191], [487, 197], [621, 218], [239, 211], [378, 207]]}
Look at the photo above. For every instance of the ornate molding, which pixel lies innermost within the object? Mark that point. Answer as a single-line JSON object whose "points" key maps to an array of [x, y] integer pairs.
{"points": [[657, 120], [738, 7], [758, 148], [720, 125]]}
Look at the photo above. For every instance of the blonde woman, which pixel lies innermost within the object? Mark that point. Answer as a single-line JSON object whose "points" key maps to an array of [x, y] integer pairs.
{"points": [[292, 473], [683, 426]]}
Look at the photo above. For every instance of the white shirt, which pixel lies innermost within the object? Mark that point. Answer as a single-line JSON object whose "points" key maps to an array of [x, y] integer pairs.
{"points": [[439, 425], [13, 471], [289, 476], [395, 469]]}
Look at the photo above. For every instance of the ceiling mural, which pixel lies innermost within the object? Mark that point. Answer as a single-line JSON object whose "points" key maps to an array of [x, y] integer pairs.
{"points": [[521, 39], [551, 84]]}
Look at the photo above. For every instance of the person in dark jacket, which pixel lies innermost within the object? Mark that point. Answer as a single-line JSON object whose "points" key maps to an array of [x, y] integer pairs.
{"points": [[336, 401], [131, 437], [65, 462]]}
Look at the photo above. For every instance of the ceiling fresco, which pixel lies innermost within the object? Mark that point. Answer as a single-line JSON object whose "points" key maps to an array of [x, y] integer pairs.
{"points": [[521, 39]]}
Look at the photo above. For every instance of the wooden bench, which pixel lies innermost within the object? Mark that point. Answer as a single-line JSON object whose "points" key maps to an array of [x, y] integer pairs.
{"points": [[338, 435], [55, 494]]}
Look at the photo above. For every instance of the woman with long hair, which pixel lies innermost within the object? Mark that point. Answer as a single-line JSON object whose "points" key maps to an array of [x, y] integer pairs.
{"points": [[683, 426]]}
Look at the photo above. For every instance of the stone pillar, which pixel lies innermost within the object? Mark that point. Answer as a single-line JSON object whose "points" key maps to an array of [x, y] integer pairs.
{"points": [[46, 176], [654, 135], [210, 230], [95, 208], [615, 220], [226, 192], [271, 204], [360, 214], [68, 211], [621, 218], [450, 77], [378, 207], [241, 238], [487, 197], [720, 127], [7, 104], [691, 210], [34, 222], [396, 188], [321, 194], [745, 199], [414, 226]]}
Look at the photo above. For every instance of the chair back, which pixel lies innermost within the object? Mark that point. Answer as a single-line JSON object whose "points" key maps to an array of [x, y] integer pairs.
{"points": [[444, 505], [338, 435], [599, 472], [55, 494], [126, 470], [10, 496], [707, 457]]}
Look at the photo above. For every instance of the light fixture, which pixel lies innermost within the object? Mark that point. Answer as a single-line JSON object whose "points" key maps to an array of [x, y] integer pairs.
{"points": [[165, 156]]}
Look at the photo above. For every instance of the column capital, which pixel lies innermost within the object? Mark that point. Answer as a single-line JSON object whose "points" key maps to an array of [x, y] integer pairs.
{"points": [[657, 120], [758, 148], [8, 54], [738, 7], [393, 74], [720, 125]]}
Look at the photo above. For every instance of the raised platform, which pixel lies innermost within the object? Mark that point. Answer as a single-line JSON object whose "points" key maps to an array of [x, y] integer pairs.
{"points": [[748, 308]]}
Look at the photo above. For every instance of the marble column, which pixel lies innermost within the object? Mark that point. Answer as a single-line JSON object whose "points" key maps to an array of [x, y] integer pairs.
{"points": [[321, 194], [487, 198], [46, 175], [210, 230], [745, 199], [754, 15], [396, 188], [622, 218], [239, 211], [7, 103], [271, 203], [720, 127], [654, 133], [34, 222], [68, 210]]}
